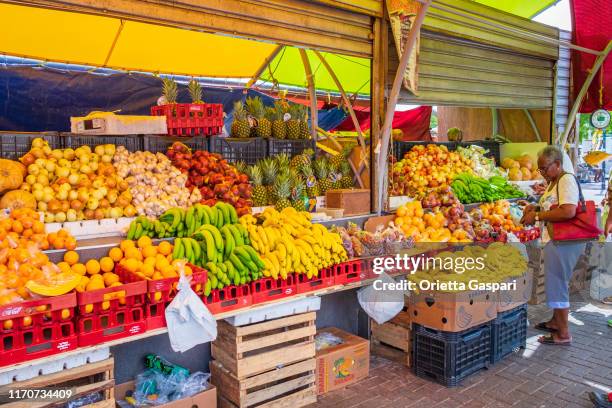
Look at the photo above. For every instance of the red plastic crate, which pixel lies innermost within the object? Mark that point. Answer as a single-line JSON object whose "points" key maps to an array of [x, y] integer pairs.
{"points": [[267, 289], [122, 316], [348, 272], [191, 119], [228, 298], [162, 291], [38, 329], [324, 280]]}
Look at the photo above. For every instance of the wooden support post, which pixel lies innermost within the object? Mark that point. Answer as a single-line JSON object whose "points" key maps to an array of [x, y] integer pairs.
{"points": [[347, 101], [262, 68], [587, 83], [395, 90], [312, 95], [533, 124], [377, 107]]}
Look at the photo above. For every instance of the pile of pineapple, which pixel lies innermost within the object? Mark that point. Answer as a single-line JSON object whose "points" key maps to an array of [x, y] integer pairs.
{"points": [[283, 183], [269, 121]]}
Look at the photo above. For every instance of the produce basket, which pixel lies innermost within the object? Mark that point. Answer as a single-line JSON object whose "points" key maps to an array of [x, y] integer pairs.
{"points": [[290, 147], [348, 272], [508, 333], [324, 280], [400, 148], [37, 328], [493, 147], [13, 145], [228, 298], [191, 119], [267, 289], [112, 313], [248, 150], [160, 144], [447, 358], [131, 142]]}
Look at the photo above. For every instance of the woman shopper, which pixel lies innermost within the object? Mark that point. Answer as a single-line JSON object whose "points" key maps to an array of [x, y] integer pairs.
{"points": [[560, 258]]}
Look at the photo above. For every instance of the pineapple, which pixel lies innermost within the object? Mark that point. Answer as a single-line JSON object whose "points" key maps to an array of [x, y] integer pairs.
{"points": [[240, 125], [293, 124], [282, 189], [347, 179], [322, 172], [169, 90], [304, 128], [195, 91], [302, 160], [241, 166], [282, 162], [256, 108], [341, 157], [269, 170], [333, 176], [260, 193], [312, 188], [279, 128], [297, 195]]}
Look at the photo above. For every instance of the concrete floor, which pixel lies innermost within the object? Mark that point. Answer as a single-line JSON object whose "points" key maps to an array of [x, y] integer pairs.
{"points": [[539, 376]]}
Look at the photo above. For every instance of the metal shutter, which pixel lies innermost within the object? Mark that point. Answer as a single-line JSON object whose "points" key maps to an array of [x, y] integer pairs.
{"points": [[562, 84]]}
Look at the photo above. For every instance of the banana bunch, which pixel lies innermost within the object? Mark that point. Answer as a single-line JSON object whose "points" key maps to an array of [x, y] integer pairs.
{"points": [[178, 222], [242, 266], [288, 242], [593, 158], [218, 244]]}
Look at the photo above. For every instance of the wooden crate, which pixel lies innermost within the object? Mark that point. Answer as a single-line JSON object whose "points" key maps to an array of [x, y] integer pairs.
{"points": [[393, 339], [353, 201], [83, 380], [260, 347], [290, 386]]}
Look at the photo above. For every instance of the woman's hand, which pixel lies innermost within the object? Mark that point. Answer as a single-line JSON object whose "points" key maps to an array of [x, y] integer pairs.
{"points": [[528, 218]]}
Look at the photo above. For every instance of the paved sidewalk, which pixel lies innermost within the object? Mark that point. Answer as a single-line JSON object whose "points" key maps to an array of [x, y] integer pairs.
{"points": [[539, 376]]}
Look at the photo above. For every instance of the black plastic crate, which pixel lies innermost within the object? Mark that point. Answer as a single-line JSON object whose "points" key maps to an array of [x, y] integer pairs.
{"points": [[248, 150], [446, 357], [291, 147], [400, 148], [508, 333], [160, 144], [493, 147], [131, 142], [13, 145]]}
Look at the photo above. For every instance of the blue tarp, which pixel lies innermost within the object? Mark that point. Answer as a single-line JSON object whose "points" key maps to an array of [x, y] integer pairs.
{"points": [[34, 99]]}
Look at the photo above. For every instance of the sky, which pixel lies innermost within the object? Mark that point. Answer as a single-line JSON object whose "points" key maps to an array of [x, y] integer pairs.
{"points": [[557, 16]]}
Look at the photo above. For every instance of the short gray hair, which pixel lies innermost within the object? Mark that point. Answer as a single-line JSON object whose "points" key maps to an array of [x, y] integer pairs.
{"points": [[553, 153]]}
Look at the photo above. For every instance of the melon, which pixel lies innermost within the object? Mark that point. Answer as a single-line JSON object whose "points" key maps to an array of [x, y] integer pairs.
{"points": [[515, 174], [15, 199], [59, 284], [11, 175]]}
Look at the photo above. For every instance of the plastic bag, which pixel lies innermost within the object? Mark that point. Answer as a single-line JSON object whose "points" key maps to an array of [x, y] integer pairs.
{"points": [[189, 322], [324, 340], [196, 383], [154, 388], [601, 276], [381, 305]]}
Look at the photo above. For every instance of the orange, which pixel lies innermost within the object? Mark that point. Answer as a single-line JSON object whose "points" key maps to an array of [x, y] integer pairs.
{"points": [[144, 241], [131, 265], [8, 324], [64, 267], [62, 233], [110, 278], [169, 272], [94, 284], [150, 261], [79, 268], [38, 227], [105, 305], [133, 253], [70, 243], [27, 321], [161, 263], [65, 314], [165, 248], [17, 227], [92, 266], [147, 269], [88, 308], [59, 243], [125, 244], [116, 254], [107, 264], [71, 257], [149, 251], [188, 270]]}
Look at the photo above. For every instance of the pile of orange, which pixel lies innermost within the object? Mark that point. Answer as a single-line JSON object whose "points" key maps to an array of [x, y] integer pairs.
{"points": [[23, 226], [422, 226], [498, 214]]}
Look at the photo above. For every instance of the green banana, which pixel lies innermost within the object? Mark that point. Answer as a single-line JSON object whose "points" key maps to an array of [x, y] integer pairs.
{"points": [[233, 214], [229, 241], [237, 264], [236, 234], [132, 230], [188, 251], [197, 251], [210, 215], [138, 232], [216, 234], [254, 256], [207, 288], [177, 248], [211, 249]]}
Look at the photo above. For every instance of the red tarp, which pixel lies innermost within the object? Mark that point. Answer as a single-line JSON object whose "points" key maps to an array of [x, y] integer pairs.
{"points": [[414, 122], [592, 21]]}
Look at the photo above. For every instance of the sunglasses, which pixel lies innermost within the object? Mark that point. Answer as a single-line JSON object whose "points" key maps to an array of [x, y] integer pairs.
{"points": [[543, 170]]}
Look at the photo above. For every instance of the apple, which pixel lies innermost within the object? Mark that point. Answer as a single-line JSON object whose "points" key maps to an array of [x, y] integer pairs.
{"points": [[63, 172], [33, 169], [116, 212], [76, 205], [112, 196], [98, 194], [60, 217], [93, 165], [80, 216], [129, 211], [42, 206], [83, 195], [49, 217], [73, 179], [62, 194], [92, 203], [89, 214], [98, 182], [107, 158], [99, 150], [104, 203], [98, 214], [71, 215], [85, 169]]}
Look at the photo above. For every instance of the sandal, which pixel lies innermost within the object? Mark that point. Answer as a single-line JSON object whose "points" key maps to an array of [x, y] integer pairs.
{"points": [[543, 327], [550, 340]]}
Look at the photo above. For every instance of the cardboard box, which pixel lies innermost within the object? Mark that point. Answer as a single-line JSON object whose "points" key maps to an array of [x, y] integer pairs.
{"points": [[354, 201], [453, 311], [344, 364], [509, 299], [205, 399]]}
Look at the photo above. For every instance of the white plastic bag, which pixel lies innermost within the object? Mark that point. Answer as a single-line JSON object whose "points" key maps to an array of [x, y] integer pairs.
{"points": [[601, 276], [189, 322], [381, 305]]}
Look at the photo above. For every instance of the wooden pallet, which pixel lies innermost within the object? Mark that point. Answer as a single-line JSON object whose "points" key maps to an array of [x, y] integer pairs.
{"points": [[290, 386], [260, 347], [393, 339], [83, 380]]}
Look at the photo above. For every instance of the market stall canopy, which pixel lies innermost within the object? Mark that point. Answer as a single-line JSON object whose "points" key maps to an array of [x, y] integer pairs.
{"points": [[521, 8], [85, 39]]}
